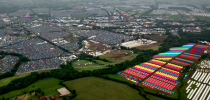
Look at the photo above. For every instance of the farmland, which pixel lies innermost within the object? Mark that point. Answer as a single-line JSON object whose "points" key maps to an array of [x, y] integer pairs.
{"points": [[203, 18], [152, 46], [176, 17], [119, 55], [118, 77], [5, 81], [80, 16], [48, 86], [92, 88], [157, 37]]}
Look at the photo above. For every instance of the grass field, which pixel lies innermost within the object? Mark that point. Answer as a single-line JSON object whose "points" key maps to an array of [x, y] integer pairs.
{"points": [[152, 46], [155, 47], [176, 17], [143, 12], [90, 69], [203, 18], [151, 97], [118, 77], [125, 9], [182, 90], [6, 81], [81, 16], [118, 56], [45, 85], [84, 63], [102, 62], [93, 88], [157, 37], [189, 16], [28, 36]]}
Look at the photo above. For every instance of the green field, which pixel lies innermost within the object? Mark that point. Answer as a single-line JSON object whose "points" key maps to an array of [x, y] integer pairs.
{"points": [[132, 55], [81, 16], [151, 46], [203, 18], [155, 47], [6, 81], [45, 85], [113, 57], [142, 12], [102, 62], [151, 97], [84, 63], [93, 88], [28, 36], [118, 77], [176, 17], [158, 38], [90, 69], [125, 9]]}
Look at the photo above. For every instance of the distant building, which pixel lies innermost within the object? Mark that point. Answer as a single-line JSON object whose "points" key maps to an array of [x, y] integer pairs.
{"points": [[63, 91]]}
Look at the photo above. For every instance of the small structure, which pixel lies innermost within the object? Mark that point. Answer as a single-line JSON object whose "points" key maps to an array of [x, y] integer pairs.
{"points": [[93, 24], [27, 16], [59, 99], [52, 97], [131, 17], [42, 98], [63, 91]]}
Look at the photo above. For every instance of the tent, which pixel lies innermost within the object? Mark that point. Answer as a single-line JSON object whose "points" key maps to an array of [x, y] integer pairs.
{"points": [[27, 16]]}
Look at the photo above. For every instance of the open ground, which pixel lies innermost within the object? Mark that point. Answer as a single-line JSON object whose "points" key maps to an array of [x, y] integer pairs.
{"points": [[48, 86], [93, 88], [118, 55]]}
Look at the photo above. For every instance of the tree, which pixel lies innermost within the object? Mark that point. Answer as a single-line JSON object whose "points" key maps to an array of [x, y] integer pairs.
{"points": [[122, 40], [42, 93], [38, 90], [113, 47], [74, 91]]}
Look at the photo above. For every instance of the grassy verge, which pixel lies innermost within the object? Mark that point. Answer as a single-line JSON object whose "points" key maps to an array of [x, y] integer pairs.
{"points": [[176, 17]]}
